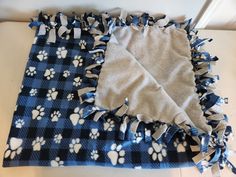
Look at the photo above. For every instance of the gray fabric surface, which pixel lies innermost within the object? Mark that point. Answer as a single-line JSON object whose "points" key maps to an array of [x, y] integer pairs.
{"points": [[151, 67]]}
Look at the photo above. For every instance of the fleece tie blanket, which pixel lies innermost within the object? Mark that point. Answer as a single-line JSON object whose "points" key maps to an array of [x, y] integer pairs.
{"points": [[126, 91]]}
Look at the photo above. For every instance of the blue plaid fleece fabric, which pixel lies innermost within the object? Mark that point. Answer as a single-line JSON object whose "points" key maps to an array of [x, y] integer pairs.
{"points": [[48, 128], [42, 132]]}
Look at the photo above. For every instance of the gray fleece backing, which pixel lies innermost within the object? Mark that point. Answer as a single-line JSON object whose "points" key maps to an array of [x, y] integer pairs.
{"points": [[151, 67]]}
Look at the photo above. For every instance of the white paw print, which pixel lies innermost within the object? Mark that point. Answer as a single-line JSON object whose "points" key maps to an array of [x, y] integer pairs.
{"points": [[49, 73], [19, 123], [98, 57], [66, 73], [57, 162], [13, 148], [52, 94], [181, 146], [78, 61], [77, 81], [82, 44], [37, 143], [70, 96], [57, 138], [31, 71], [109, 125], [116, 155], [38, 113], [94, 134], [42, 55], [94, 155], [55, 115], [157, 151], [75, 145], [137, 137], [33, 92], [61, 52], [76, 117]]}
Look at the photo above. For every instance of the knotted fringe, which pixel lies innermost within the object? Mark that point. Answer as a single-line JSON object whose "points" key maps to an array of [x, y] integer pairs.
{"points": [[60, 25], [212, 148], [162, 131]]}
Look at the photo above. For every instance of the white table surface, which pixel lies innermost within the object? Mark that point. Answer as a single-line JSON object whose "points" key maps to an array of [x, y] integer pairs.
{"points": [[15, 43]]}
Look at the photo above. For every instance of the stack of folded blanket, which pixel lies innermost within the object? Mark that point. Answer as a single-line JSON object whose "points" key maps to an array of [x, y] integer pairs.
{"points": [[125, 91]]}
